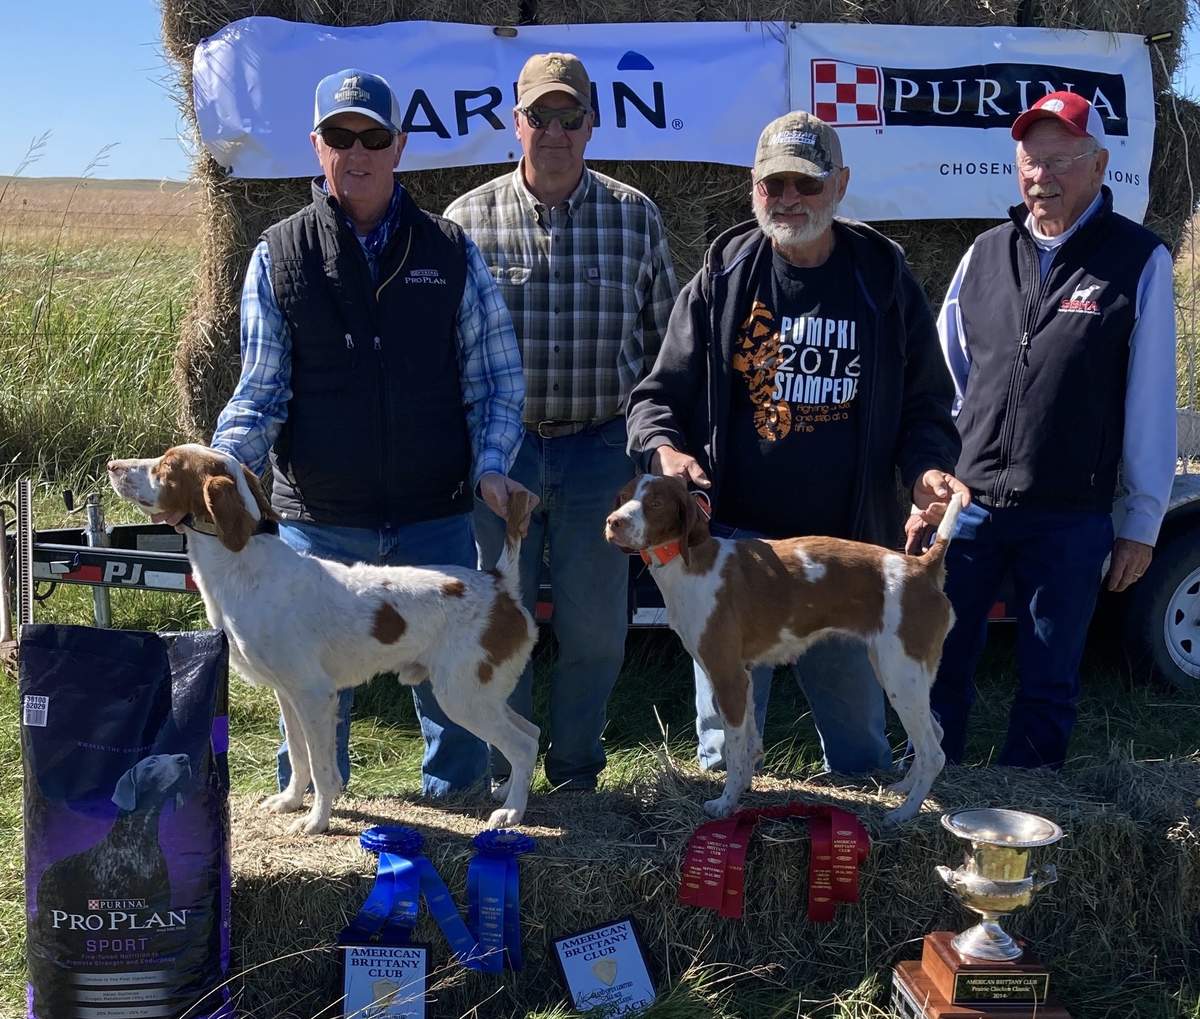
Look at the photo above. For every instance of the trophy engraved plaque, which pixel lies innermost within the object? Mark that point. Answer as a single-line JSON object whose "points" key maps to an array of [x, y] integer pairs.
{"points": [[983, 972]]}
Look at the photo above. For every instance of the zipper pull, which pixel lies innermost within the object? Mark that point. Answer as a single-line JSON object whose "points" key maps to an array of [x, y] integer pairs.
{"points": [[1025, 340], [378, 345], [349, 342]]}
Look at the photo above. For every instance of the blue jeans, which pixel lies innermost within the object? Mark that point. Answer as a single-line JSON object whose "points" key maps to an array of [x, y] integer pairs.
{"points": [[576, 477], [1055, 559], [454, 758], [837, 679]]}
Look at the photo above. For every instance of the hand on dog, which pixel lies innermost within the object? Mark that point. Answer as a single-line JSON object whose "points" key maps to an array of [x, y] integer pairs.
{"points": [[496, 489], [1130, 559], [932, 492], [671, 463], [916, 534]]}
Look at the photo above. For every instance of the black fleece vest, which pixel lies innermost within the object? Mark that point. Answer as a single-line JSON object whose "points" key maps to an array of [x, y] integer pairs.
{"points": [[1043, 416], [376, 432]]}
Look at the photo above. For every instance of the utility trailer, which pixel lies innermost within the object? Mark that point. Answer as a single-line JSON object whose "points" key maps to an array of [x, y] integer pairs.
{"points": [[1159, 618]]}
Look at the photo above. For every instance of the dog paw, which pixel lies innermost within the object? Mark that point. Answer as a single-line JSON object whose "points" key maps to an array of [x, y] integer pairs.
{"points": [[720, 807], [505, 817], [500, 793], [901, 814], [281, 803], [310, 824]]}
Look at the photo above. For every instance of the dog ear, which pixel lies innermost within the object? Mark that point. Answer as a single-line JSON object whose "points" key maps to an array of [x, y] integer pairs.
{"points": [[125, 793], [228, 512], [260, 497], [687, 520], [697, 531]]}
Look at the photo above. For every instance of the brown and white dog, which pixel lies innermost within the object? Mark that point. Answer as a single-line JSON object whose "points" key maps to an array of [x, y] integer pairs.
{"points": [[307, 628], [736, 604]]}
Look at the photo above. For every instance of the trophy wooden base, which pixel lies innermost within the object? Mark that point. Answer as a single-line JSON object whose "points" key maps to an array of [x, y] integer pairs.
{"points": [[945, 985]]}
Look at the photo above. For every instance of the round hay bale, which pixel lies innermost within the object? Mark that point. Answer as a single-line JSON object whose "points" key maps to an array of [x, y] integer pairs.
{"points": [[1124, 904], [698, 200]]}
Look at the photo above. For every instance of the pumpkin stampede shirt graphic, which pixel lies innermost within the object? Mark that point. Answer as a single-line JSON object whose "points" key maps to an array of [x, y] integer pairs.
{"points": [[794, 407]]}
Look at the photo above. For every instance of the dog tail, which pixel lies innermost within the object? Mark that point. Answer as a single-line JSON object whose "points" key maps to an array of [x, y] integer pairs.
{"points": [[509, 563], [945, 533]]}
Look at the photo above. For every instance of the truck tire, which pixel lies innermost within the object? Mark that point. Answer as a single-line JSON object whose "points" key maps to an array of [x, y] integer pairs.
{"points": [[1162, 620]]}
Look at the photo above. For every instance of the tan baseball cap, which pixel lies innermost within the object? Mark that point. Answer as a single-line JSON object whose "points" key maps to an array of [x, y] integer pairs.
{"points": [[544, 73], [797, 142]]}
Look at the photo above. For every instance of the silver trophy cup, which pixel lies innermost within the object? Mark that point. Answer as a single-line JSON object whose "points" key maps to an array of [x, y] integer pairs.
{"points": [[995, 879]]}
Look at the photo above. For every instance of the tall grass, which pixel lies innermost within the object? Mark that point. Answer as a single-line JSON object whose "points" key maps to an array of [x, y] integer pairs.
{"points": [[87, 326]]}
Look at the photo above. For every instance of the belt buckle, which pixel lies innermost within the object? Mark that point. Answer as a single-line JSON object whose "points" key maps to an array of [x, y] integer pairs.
{"points": [[554, 429]]}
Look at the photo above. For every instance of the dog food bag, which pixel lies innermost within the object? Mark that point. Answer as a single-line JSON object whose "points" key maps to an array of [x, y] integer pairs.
{"points": [[124, 737]]}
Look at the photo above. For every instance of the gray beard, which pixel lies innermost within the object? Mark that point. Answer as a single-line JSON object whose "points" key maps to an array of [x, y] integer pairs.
{"points": [[793, 236]]}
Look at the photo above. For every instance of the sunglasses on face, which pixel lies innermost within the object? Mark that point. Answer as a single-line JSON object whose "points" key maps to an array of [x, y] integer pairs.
{"points": [[773, 187], [373, 138], [570, 119]]}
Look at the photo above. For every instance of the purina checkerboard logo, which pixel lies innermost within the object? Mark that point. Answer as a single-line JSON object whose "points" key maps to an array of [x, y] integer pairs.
{"points": [[847, 95], [980, 96]]}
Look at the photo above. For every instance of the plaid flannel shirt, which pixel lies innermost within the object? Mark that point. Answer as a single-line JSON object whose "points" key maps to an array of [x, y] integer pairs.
{"points": [[589, 284], [489, 364]]}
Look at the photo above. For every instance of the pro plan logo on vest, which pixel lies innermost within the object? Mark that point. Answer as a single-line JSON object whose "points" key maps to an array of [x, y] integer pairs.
{"points": [[976, 96], [1082, 300], [425, 276]]}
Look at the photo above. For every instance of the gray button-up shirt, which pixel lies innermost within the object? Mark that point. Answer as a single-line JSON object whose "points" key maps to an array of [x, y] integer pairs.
{"points": [[589, 285]]}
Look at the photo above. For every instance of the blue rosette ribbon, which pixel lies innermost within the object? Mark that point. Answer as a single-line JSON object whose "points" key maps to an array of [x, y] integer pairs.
{"points": [[390, 912], [494, 899]]}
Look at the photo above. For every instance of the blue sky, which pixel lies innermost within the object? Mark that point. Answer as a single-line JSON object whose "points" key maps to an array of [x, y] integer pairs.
{"points": [[93, 79]]}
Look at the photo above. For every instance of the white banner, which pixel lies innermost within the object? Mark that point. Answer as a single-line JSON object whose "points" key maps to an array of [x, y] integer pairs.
{"points": [[923, 113]]}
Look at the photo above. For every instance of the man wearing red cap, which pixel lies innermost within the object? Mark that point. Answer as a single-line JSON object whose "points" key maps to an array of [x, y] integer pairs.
{"points": [[1059, 330]]}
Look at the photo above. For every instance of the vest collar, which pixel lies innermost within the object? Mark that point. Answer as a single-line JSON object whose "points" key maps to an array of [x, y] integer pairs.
{"points": [[265, 526], [1094, 214]]}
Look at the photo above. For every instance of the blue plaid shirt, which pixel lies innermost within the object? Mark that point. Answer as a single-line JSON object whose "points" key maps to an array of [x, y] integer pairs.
{"points": [[493, 386]]}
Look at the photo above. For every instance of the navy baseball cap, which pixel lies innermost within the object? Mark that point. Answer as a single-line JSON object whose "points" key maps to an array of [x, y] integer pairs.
{"points": [[355, 91]]}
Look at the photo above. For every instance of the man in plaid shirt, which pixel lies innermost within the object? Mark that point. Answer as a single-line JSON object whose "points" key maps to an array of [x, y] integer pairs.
{"points": [[381, 377], [583, 265]]}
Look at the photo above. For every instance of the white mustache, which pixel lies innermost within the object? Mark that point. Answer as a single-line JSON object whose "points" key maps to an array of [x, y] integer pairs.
{"points": [[795, 210], [1041, 191]]}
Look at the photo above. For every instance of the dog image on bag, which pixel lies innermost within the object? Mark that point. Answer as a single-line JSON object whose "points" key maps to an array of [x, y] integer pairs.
{"points": [[90, 904]]}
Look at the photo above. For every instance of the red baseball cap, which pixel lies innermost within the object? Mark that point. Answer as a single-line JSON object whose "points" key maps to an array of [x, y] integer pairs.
{"points": [[1074, 112]]}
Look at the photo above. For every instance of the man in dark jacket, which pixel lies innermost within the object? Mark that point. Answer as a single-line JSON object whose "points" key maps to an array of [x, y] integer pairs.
{"points": [[382, 379], [799, 372], [1059, 329]]}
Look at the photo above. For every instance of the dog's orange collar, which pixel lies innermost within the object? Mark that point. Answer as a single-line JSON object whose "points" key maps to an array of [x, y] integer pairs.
{"points": [[660, 555]]}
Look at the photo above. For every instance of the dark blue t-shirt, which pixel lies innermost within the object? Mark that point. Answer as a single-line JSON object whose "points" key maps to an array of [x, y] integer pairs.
{"points": [[793, 423]]}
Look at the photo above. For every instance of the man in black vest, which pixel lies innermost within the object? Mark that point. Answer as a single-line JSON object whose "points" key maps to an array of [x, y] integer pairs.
{"points": [[380, 376], [1059, 330]]}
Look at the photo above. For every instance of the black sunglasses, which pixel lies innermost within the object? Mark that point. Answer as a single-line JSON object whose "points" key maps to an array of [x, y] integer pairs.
{"points": [[570, 119], [373, 138], [773, 187]]}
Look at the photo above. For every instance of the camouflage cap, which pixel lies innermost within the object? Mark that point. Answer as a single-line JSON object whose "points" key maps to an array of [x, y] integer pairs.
{"points": [[544, 73], [797, 142]]}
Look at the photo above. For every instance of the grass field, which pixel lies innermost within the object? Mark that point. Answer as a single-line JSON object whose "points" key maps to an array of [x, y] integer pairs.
{"points": [[93, 280]]}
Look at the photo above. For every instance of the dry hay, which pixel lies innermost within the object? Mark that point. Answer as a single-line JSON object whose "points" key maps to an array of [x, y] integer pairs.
{"points": [[1122, 917], [698, 200]]}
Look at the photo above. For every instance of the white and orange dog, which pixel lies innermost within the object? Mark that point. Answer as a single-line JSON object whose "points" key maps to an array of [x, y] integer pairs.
{"points": [[307, 628], [736, 604]]}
